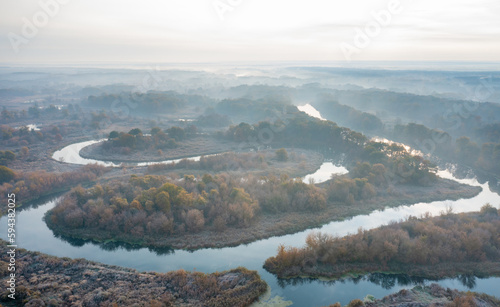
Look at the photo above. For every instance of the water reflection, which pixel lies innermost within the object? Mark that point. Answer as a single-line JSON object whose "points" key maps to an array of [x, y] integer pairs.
{"points": [[389, 281], [112, 246], [468, 281], [325, 172], [386, 281], [41, 201]]}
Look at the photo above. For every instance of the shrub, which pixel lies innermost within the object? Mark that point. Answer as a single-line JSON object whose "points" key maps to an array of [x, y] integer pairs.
{"points": [[195, 220], [488, 209]]}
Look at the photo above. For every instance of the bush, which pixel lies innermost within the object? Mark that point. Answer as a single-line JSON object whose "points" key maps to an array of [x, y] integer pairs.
{"points": [[488, 209], [356, 303], [195, 220]]}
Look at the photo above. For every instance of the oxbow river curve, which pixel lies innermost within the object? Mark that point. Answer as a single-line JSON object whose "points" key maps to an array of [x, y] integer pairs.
{"points": [[34, 235]]}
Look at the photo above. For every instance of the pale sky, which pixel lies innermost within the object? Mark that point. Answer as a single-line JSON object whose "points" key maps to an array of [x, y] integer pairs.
{"points": [[182, 31]]}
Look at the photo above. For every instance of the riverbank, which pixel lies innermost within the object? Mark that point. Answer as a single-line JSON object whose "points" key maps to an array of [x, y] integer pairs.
{"points": [[43, 280], [431, 272], [269, 225], [196, 146]]}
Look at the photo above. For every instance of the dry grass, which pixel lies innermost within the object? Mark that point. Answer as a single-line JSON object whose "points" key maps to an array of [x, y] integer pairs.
{"points": [[44, 280]]}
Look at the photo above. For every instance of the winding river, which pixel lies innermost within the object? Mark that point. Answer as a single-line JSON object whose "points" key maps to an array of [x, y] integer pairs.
{"points": [[71, 154], [34, 235]]}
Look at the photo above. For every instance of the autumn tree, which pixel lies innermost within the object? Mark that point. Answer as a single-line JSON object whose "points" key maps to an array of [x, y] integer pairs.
{"points": [[6, 174], [113, 135], [135, 132], [6, 157], [162, 201], [195, 220]]}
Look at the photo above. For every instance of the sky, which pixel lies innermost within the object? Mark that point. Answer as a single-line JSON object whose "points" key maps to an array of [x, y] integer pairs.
{"points": [[203, 31]]}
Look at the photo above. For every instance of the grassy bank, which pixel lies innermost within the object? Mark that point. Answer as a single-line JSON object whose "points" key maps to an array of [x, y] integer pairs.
{"points": [[43, 280]]}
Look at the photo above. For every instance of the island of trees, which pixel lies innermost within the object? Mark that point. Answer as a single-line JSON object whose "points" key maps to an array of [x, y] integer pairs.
{"points": [[156, 145], [156, 139], [149, 209], [430, 247]]}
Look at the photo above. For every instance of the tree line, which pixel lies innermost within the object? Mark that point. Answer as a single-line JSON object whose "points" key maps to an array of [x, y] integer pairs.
{"points": [[485, 156], [147, 103], [347, 116], [125, 142]]}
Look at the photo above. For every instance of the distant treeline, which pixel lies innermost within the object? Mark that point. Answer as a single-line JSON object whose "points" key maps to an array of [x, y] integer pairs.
{"points": [[244, 109], [35, 111], [72, 120], [448, 114], [212, 119], [478, 146], [150, 102], [347, 116], [463, 150]]}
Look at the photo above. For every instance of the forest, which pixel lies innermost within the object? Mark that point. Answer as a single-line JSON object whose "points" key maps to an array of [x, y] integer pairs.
{"points": [[348, 116], [154, 206], [464, 150], [473, 143], [157, 139]]}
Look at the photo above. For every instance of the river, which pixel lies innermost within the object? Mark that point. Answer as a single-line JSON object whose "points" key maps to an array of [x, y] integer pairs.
{"points": [[71, 154], [33, 234]]}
